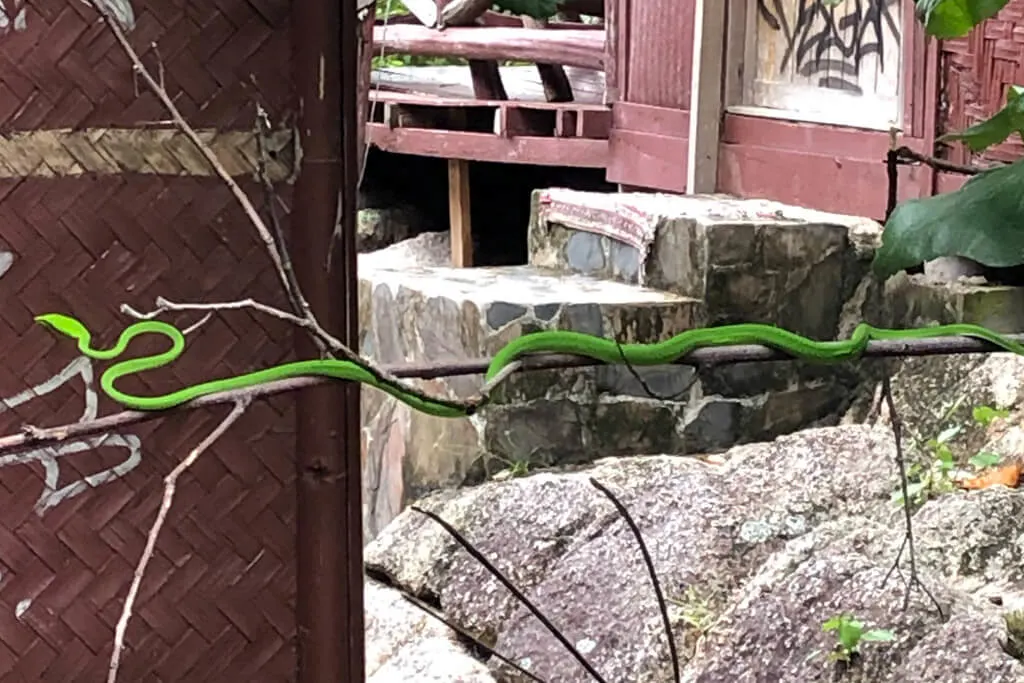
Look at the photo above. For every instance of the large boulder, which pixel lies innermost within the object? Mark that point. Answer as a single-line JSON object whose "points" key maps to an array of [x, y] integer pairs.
{"points": [[754, 551]]}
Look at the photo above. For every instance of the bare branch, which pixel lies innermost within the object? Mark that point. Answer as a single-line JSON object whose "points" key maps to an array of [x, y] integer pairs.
{"points": [[908, 536], [170, 483], [705, 357], [651, 572], [519, 595], [211, 157]]}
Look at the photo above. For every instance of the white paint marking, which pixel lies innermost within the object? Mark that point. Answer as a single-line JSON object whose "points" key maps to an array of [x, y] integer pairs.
{"points": [[6, 261], [21, 608], [48, 456]]}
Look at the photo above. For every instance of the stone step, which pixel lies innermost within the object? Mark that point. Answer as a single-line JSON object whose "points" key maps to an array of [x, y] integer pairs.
{"points": [[746, 259], [416, 314]]}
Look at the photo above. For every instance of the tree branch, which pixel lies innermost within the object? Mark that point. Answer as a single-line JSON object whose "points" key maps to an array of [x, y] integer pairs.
{"points": [[170, 483], [281, 263]]}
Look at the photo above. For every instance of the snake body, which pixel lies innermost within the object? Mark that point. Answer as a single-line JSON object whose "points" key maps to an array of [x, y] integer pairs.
{"points": [[549, 341]]}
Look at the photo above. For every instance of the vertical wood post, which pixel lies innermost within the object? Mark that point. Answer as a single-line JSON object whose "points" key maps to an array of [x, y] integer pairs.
{"points": [[706, 92], [328, 546], [460, 223]]}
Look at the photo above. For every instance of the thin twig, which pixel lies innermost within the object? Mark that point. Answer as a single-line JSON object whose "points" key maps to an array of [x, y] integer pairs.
{"points": [[470, 637], [907, 154], [908, 539], [170, 483], [519, 595], [651, 393], [722, 355], [311, 326], [336, 346], [211, 157], [658, 594], [299, 304]]}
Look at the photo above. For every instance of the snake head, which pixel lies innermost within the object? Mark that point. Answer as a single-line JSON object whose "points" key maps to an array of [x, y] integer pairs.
{"points": [[64, 324]]}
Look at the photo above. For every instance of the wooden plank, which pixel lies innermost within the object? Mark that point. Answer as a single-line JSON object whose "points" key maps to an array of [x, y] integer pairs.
{"points": [[816, 181], [706, 96], [648, 146], [611, 51], [542, 151], [647, 160], [583, 48], [656, 120], [486, 79], [460, 224], [521, 82], [837, 141], [735, 51], [445, 102], [659, 56]]}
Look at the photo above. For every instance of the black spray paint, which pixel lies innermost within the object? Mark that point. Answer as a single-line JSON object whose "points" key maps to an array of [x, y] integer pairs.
{"points": [[830, 43]]}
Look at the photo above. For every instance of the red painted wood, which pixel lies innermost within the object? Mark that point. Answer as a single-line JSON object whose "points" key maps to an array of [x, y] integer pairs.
{"points": [[659, 56], [611, 51], [647, 160], [582, 48], [650, 123], [393, 97], [657, 120], [815, 181], [821, 167], [543, 151]]}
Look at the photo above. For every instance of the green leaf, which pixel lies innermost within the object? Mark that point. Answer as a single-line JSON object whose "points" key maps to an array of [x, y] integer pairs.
{"points": [[984, 415], [983, 221], [849, 633], [1009, 120], [538, 9], [945, 458], [878, 635], [955, 18], [985, 459]]}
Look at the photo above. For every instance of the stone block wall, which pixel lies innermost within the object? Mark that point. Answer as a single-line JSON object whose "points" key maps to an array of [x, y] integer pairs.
{"points": [[711, 260]]}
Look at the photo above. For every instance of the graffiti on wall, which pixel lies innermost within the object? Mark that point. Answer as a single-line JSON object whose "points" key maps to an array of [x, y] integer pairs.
{"points": [[49, 457], [13, 17], [831, 44]]}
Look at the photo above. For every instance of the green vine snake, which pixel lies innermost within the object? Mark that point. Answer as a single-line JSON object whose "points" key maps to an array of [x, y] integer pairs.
{"points": [[552, 341]]}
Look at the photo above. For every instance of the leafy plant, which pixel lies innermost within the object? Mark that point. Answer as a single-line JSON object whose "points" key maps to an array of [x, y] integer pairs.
{"points": [[982, 220], [955, 18], [933, 477], [850, 634], [986, 415]]}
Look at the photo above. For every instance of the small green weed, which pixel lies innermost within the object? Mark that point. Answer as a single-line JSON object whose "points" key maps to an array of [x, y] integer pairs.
{"points": [[850, 634], [933, 475]]}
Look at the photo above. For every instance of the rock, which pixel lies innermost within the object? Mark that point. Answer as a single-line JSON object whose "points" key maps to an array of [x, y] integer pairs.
{"points": [[753, 554], [377, 228], [711, 260], [774, 631], [404, 644]]}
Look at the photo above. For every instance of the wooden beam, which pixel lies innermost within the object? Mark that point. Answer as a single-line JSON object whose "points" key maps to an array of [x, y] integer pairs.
{"points": [[706, 94], [580, 47], [546, 151], [460, 225]]}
